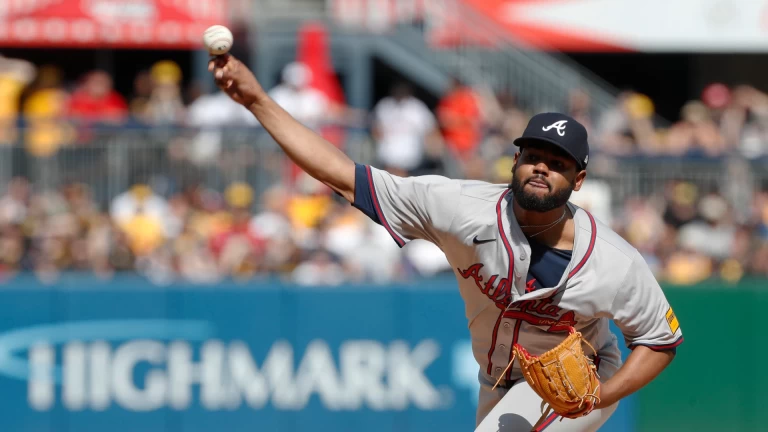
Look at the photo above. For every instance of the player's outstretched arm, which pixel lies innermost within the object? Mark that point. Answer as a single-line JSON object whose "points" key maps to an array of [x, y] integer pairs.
{"points": [[319, 158]]}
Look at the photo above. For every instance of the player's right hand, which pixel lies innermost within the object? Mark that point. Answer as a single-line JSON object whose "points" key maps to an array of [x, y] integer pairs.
{"points": [[236, 80]]}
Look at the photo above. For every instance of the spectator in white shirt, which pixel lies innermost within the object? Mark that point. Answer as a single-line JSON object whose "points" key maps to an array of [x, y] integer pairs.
{"points": [[306, 104], [402, 124], [211, 113]]}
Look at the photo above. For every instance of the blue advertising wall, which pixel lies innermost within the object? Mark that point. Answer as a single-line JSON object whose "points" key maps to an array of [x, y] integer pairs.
{"points": [[126, 355]]}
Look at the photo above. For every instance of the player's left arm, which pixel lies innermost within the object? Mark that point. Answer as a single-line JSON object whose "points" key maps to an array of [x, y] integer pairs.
{"points": [[641, 367], [650, 328]]}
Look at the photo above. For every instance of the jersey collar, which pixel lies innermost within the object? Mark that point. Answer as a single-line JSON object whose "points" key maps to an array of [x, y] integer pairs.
{"points": [[585, 237]]}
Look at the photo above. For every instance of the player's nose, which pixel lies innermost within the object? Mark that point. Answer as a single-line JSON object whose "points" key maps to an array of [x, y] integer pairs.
{"points": [[541, 168]]}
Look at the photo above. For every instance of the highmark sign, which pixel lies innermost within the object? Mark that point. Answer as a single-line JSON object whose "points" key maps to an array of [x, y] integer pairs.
{"points": [[127, 356], [95, 365]]}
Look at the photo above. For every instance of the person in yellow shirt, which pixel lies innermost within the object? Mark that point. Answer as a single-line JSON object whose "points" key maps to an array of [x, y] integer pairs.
{"points": [[144, 232], [45, 110], [15, 74], [310, 204]]}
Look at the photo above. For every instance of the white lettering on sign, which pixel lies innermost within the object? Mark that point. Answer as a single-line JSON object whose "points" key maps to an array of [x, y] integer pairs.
{"points": [[147, 375]]}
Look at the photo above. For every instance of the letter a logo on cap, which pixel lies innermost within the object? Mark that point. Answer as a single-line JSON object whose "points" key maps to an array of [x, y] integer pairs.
{"points": [[558, 125]]}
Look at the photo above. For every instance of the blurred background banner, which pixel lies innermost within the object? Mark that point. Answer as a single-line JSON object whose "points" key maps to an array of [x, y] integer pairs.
{"points": [[264, 356], [626, 25], [578, 25], [164, 24]]}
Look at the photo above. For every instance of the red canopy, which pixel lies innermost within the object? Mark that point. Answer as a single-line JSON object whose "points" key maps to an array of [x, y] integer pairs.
{"points": [[171, 24]]}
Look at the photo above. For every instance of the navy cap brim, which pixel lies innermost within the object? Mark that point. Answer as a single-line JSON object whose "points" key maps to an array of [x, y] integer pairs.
{"points": [[522, 141]]}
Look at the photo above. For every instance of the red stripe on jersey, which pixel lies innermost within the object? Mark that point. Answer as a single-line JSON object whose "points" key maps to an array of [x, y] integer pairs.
{"points": [[493, 343], [510, 272], [589, 249], [547, 422], [511, 351], [383, 220]]}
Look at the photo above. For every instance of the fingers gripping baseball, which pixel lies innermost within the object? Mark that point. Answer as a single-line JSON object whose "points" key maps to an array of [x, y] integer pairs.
{"points": [[232, 77]]}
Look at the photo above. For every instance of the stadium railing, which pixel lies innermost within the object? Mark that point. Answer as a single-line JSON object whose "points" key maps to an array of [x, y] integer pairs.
{"points": [[111, 159]]}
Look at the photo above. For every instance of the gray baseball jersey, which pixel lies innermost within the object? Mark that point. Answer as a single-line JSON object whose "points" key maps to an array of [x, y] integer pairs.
{"points": [[472, 222]]}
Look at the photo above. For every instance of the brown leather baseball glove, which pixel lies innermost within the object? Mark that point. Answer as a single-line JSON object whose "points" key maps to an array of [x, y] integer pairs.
{"points": [[563, 377]]}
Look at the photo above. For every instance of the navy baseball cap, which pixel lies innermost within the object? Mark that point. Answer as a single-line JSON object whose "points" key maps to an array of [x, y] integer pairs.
{"points": [[560, 130]]}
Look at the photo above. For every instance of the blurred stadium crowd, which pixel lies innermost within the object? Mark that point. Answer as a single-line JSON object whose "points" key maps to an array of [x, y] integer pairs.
{"points": [[295, 228]]}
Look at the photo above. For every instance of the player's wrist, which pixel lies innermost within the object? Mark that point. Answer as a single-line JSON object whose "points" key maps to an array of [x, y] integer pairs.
{"points": [[256, 102], [607, 394]]}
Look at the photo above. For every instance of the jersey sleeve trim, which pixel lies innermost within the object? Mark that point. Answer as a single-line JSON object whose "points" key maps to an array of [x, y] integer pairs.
{"points": [[363, 198], [383, 220], [657, 347]]}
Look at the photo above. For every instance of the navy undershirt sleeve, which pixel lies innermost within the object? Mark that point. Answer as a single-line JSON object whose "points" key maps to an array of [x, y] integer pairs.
{"points": [[363, 197]]}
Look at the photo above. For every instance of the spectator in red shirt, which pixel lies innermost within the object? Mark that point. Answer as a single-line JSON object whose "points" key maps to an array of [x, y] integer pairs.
{"points": [[95, 100], [460, 119]]}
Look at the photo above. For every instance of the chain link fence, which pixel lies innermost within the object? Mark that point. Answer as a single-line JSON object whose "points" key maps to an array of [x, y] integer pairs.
{"points": [[651, 178], [111, 160]]}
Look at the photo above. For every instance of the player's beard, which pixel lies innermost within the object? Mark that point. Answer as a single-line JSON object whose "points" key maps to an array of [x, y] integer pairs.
{"points": [[533, 202]]}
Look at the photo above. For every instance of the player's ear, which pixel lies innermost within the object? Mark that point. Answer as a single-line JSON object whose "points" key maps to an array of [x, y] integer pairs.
{"points": [[579, 180], [517, 156]]}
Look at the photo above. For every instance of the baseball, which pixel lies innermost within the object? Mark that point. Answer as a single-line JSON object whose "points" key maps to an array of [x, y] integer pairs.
{"points": [[218, 39]]}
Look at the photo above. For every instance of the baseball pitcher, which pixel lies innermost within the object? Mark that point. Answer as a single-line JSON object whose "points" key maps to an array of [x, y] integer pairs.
{"points": [[540, 277]]}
